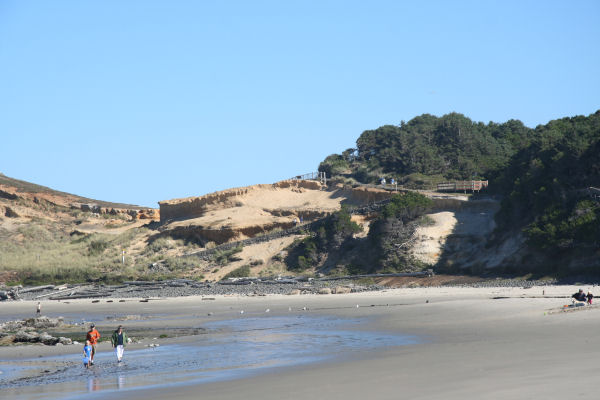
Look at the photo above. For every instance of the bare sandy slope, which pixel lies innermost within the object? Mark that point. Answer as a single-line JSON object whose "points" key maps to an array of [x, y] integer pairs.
{"points": [[467, 223], [518, 346], [431, 239], [260, 254], [264, 205]]}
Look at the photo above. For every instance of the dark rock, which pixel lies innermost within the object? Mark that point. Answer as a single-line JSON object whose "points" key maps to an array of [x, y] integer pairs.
{"points": [[26, 337], [9, 213], [48, 339]]}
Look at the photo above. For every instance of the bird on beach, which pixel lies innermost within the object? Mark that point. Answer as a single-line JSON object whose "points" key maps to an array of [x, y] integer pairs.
{"points": [[241, 312], [267, 310]]}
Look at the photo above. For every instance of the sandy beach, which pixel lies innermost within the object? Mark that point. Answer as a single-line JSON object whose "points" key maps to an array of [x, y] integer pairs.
{"points": [[485, 343]]}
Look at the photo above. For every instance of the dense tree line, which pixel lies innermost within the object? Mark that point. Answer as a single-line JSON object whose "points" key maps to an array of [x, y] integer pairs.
{"points": [[448, 147], [545, 187]]}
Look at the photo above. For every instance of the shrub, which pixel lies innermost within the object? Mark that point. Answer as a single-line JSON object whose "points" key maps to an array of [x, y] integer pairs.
{"points": [[224, 257], [97, 247], [241, 272]]}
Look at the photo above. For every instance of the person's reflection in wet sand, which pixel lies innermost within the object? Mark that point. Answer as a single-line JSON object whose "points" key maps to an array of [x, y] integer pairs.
{"points": [[93, 384], [120, 381]]}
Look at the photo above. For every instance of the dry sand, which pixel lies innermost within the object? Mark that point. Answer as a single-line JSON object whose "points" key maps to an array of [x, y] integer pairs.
{"points": [[519, 346]]}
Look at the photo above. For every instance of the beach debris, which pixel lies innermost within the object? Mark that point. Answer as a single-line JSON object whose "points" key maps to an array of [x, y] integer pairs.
{"points": [[289, 308], [267, 310], [241, 312], [36, 288], [357, 306]]}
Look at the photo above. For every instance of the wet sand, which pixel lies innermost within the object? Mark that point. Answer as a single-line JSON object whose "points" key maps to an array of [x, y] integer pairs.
{"points": [[470, 345]]}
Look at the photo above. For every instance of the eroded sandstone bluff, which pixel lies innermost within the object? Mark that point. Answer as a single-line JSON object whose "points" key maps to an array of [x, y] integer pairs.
{"points": [[246, 212]]}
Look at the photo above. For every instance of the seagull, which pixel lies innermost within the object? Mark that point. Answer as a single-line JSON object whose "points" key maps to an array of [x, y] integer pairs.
{"points": [[241, 312], [210, 313], [267, 310], [357, 306]]}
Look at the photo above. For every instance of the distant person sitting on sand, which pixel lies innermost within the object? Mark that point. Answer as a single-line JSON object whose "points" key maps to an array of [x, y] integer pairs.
{"points": [[87, 354], [580, 296], [590, 297]]}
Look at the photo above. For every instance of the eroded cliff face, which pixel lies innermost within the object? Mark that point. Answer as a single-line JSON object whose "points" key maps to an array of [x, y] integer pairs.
{"points": [[242, 213], [74, 202], [192, 207]]}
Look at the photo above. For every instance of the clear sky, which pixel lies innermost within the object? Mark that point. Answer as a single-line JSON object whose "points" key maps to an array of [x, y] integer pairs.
{"points": [[142, 101]]}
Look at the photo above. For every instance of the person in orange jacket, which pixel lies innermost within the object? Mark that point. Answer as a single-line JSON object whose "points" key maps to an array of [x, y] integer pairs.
{"points": [[93, 335]]}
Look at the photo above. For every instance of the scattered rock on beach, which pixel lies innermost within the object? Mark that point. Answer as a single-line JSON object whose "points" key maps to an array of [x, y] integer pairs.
{"points": [[65, 341], [48, 340], [25, 331]]}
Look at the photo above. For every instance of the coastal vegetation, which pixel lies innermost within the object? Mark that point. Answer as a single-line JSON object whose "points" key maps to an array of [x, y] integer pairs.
{"points": [[541, 175], [429, 149], [335, 248]]}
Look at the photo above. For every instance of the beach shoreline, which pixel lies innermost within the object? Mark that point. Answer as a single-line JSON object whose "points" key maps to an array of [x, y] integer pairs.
{"points": [[473, 339]]}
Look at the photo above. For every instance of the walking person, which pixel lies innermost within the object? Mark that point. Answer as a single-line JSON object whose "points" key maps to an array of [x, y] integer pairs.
{"points": [[38, 311], [590, 298], [93, 335], [119, 340], [87, 354]]}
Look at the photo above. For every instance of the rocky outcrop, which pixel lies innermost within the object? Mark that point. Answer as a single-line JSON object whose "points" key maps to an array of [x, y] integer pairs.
{"points": [[28, 331], [148, 213], [7, 195]]}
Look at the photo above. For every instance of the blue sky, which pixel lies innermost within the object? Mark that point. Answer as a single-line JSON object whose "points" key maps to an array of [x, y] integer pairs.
{"points": [[142, 101]]}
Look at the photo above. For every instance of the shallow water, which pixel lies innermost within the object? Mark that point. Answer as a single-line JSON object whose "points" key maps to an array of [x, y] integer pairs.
{"points": [[231, 349]]}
